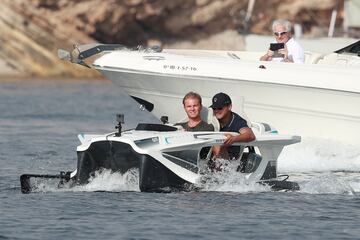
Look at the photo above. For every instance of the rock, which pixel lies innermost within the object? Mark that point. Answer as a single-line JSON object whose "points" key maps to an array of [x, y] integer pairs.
{"points": [[31, 31], [229, 39], [29, 43]]}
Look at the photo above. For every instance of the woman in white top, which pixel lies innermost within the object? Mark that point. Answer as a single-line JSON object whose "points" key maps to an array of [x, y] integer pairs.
{"points": [[292, 51]]}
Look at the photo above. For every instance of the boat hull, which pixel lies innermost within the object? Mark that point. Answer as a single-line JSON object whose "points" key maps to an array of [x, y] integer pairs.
{"points": [[120, 157], [167, 159], [307, 111]]}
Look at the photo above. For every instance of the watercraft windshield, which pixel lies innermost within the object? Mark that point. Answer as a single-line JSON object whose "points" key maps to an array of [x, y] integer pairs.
{"points": [[353, 48]]}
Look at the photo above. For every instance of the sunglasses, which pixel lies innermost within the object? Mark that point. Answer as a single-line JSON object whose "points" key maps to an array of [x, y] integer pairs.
{"points": [[278, 34], [218, 108]]}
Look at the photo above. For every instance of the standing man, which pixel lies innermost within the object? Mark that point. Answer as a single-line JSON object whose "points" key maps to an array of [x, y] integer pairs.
{"points": [[229, 122], [292, 51], [192, 105]]}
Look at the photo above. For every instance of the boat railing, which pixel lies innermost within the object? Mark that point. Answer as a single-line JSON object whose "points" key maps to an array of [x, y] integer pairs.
{"points": [[81, 52]]}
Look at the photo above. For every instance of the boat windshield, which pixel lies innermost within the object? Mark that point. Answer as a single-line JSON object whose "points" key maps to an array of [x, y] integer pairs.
{"points": [[352, 48]]}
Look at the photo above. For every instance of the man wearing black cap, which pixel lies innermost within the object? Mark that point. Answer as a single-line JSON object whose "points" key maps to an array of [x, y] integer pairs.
{"points": [[229, 122]]}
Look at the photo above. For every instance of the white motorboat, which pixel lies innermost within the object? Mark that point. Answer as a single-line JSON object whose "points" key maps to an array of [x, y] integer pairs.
{"points": [[169, 159], [318, 99]]}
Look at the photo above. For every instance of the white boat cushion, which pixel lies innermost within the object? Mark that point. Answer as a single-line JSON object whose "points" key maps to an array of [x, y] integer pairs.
{"points": [[313, 57], [208, 116]]}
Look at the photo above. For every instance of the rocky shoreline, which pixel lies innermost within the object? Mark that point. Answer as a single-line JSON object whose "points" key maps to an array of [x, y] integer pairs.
{"points": [[31, 31]]}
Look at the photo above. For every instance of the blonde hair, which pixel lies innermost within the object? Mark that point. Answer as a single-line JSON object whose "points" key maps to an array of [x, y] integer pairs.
{"points": [[192, 95]]}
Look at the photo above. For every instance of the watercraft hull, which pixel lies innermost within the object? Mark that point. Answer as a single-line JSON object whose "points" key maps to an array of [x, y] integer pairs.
{"points": [[167, 159], [120, 157], [318, 99], [318, 113]]}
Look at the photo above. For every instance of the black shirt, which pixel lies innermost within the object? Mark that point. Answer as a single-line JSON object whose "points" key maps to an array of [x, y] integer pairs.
{"points": [[234, 125]]}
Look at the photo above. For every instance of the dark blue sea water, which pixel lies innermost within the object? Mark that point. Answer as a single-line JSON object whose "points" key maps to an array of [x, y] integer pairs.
{"points": [[39, 123]]}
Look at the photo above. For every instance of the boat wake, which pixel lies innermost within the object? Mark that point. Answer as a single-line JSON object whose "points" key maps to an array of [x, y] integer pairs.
{"points": [[109, 181], [319, 168], [319, 155], [323, 166], [226, 180], [331, 183], [102, 181]]}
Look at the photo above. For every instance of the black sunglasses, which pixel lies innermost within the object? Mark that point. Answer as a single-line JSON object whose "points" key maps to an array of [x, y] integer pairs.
{"points": [[278, 34], [218, 108]]}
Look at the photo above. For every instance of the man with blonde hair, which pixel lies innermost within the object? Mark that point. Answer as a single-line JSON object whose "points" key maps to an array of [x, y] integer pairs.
{"points": [[192, 103], [285, 49]]}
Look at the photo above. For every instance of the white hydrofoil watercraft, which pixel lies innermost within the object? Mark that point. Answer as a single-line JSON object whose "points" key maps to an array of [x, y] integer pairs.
{"points": [[169, 159]]}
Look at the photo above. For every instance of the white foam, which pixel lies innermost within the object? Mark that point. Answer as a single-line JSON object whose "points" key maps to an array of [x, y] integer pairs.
{"points": [[330, 183], [314, 155], [106, 180], [229, 180]]}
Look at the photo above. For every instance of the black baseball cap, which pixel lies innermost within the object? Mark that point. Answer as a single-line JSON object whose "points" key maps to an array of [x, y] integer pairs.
{"points": [[220, 100]]}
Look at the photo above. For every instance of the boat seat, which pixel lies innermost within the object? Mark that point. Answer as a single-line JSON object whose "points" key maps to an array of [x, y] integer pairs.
{"points": [[313, 57], [208, 116], [237, 107], [337, 59], [354, 62]]}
